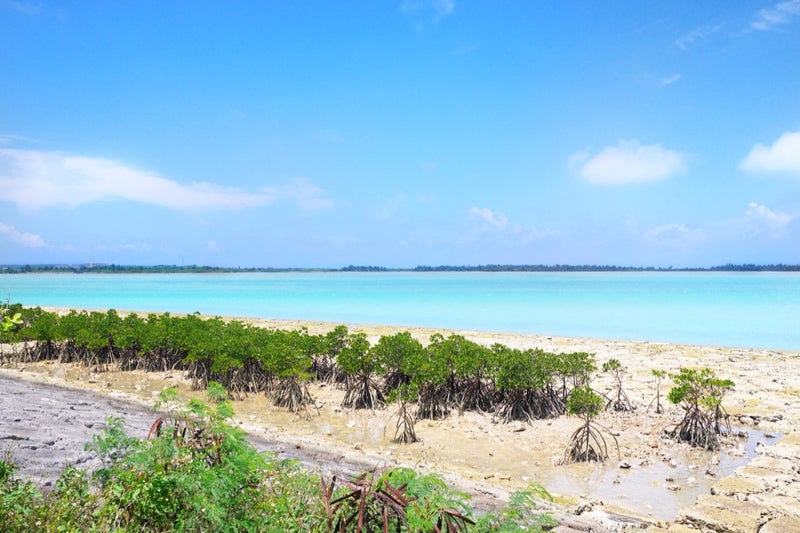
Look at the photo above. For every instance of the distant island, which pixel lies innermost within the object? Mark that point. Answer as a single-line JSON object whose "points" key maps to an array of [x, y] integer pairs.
{"points": [[100, 268]]}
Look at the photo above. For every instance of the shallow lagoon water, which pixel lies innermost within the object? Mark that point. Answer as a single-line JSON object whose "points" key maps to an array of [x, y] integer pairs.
{"points": [[734, 309]]}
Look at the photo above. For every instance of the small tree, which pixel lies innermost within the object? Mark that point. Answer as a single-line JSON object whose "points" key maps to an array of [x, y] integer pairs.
{"points": [[699, 393], [404, 432], [395, 353], [587, 442], [360, 364], [659, 375], [289, 358], [619, 400]]}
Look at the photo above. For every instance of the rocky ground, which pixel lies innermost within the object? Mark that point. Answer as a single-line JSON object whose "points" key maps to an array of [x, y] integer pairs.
{"points": [[652, 483]]}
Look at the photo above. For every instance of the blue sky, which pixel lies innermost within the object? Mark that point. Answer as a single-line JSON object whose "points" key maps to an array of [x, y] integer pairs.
{"points": [[400, 133]]}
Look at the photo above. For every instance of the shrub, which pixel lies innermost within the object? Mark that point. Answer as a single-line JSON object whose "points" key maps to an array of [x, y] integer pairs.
{"points": [[619, 400], [360, 364], [699, 392], [587, 442]]}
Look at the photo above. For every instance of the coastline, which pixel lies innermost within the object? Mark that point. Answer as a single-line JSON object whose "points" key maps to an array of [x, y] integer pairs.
{"points": [[764, 402]]}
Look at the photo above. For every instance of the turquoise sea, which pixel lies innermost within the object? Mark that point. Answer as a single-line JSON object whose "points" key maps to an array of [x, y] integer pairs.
{"points": [[736, 309]]}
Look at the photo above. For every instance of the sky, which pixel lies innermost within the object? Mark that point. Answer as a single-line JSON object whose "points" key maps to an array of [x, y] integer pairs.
{"points": [[400, 133]]}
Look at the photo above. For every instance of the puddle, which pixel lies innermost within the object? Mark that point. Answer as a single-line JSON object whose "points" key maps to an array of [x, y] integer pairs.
{"points": [[658, 489]]}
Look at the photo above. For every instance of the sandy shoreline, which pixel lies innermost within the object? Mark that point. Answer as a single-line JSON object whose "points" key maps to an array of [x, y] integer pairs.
{"points": [[662, 485]]}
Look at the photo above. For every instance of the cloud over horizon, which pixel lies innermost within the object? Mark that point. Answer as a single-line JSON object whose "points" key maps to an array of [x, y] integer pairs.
{"points": [[781, 156], [763, 214], [627, 162], [497, 220], [28, 240], [35, 179]]}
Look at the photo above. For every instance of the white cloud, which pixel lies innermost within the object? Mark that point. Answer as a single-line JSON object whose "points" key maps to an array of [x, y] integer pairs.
{"points": [[498, 220], [782, 156], [39, 179], [764, 215], [628, 162], [670, 80], [25, 8], [694, 37], [440, 8], [779, 14], [304, 193], [28, 240], [678, 235]]}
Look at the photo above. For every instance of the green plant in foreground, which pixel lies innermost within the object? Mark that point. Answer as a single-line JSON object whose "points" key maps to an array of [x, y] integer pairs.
{"points": [[197, 473], [587, 442], [699, 392]]}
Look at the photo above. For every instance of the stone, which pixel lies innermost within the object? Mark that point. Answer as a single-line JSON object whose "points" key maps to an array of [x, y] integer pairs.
{"points": [[724, 514], [732, 485], [782, 524]]}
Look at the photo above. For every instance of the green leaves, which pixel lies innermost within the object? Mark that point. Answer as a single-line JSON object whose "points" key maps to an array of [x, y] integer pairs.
{"points": [[584, 402], [699, 392], [169, 483]]}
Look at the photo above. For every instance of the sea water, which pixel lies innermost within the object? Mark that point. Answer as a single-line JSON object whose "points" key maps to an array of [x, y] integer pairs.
{"points": [[735, 309]]}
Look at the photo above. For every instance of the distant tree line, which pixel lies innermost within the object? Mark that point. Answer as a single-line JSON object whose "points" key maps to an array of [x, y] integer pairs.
{"points": [[177, 269]]}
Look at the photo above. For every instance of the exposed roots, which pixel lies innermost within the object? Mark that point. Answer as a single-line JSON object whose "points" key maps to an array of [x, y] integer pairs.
{"points": [[363, 393], [515, 405], [698, 429], [619, 402], [395, 379], [588, 444], [432, 403], [404, 425], [527, 405], [475, 395], [293, 395]]}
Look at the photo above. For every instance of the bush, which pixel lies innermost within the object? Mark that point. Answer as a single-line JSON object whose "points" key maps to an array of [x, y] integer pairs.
{"points": [[587, 442], [699, 392]]}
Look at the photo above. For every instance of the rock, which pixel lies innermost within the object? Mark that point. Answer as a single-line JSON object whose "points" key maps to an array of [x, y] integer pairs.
{"points": [[724, 514], [782, 524], [674, 488], [624, 465]]}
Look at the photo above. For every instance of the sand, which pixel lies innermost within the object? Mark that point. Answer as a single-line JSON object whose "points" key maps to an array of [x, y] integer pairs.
{"points": [[652, 482]]}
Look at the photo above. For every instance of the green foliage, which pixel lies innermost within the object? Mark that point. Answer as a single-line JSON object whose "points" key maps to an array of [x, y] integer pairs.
{"points": [[520, 514], [587, 442], [584, 402], [397, 354], [197, 473], [360, 363], [699, 392]]}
